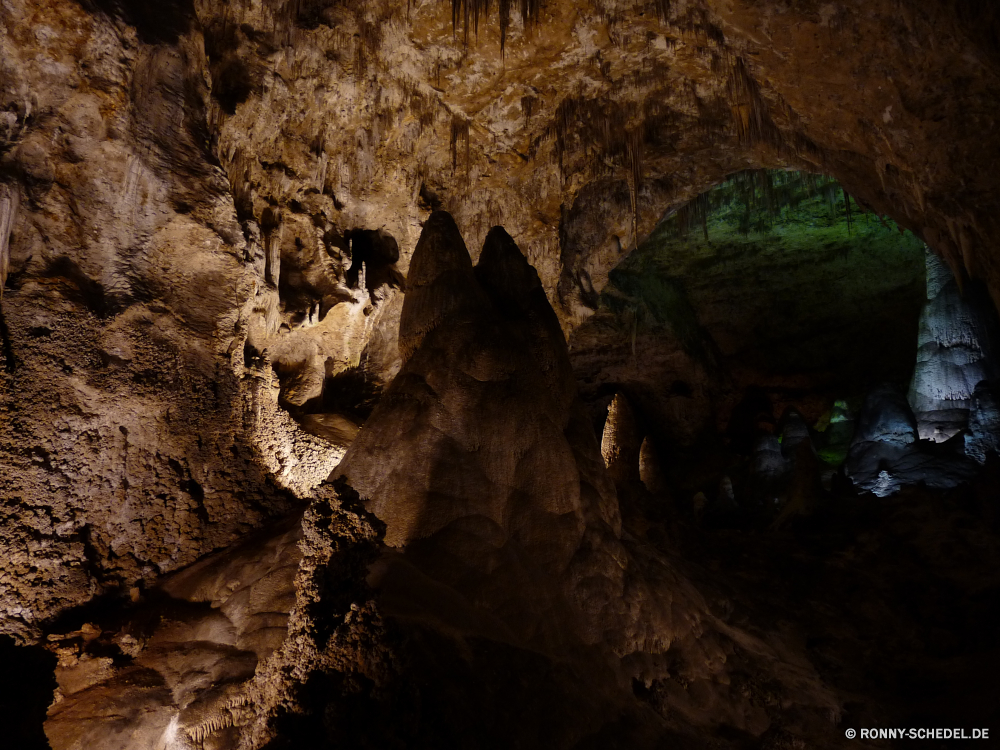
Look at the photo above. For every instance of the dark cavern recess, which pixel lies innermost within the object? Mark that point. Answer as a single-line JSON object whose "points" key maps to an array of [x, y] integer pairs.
{"points": [[460, 375], [765, 314]]}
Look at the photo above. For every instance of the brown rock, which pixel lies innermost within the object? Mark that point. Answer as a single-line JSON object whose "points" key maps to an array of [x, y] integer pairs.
{"points": [[620, 445]]}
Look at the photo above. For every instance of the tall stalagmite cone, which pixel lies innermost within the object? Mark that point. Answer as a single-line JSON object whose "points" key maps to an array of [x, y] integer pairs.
{"points": [[620, 443], [956, 346], [440, 282], [513, 286], [9, 201], [506, 275]]}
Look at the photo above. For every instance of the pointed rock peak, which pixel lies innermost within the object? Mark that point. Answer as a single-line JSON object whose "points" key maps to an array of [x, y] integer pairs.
{"points": [[439, 250], [516, 292], [505, 273], [440, 282]]}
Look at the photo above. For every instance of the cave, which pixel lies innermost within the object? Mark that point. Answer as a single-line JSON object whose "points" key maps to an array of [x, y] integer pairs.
{"points": [[472, 375]]}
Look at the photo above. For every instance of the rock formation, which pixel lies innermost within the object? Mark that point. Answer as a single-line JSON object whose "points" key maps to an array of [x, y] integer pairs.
{"points": [[886, 454], [950, 402], [182, 658], [503, 529], [513, 557], [983, 436], [620, 443], [957, 352], [227, 274]]}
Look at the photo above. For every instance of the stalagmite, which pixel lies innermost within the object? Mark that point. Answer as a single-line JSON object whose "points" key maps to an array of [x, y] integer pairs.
{"points": [[9, 202], [983, 436], [440, 282], [285, 463], [834, 441], [955, 354], [650, 468], [620, 443], [794, 432]]}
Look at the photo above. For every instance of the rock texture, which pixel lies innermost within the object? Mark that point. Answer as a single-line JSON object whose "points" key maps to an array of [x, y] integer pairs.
{"points": [[505, 541], [956, 352], [177, 665], [810, 308], [885, 453], [621, 442], [500, 600], [195, 169], [983, 437], [209, 213]]}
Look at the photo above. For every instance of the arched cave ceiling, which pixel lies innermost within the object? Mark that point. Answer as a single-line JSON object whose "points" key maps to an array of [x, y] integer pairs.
{"points": [[187, 185]]}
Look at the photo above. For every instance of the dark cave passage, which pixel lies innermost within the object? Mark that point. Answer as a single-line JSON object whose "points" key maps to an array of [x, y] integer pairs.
{"points": [[767, 331], [25, 693]]}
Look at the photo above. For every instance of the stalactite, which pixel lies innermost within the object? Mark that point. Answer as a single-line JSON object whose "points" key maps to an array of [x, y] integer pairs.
{"points": [[321, 168], [466, 11], [617, 132], [634, 159], [460, 132], [761, 194], [9, 202], [368, 40], [753, 122], [270, 225], [130, 190], [528, 104], [226, 717], [662, 8], [425, 111], [241, 184], [503, 11], [566, 115]]}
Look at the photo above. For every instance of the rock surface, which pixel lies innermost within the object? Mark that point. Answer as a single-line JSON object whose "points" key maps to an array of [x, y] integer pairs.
{"points": [[179, 664], [196, 178], [209, 213], [956, 352], [886, 453], [492, 618]]}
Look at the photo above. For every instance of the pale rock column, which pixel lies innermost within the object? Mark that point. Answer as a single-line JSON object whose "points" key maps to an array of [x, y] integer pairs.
{"points": [[620, 443], [954, 355]]}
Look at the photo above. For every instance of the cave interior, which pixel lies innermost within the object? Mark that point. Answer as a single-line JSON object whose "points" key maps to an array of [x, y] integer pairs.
{"points": [[467, 375]]}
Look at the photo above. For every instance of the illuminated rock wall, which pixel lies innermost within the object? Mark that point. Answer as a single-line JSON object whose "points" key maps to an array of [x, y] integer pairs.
{"points": [[955, 354]]}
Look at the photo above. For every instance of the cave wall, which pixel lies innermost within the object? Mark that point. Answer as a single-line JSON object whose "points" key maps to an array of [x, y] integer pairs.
{"points": [[160, 167]]}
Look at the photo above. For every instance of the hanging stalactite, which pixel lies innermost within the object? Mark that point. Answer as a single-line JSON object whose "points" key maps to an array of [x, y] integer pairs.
{"points": [[633, 149], [460, 133], [9, 203], [755, 198], [750, 114], [466, 13]]}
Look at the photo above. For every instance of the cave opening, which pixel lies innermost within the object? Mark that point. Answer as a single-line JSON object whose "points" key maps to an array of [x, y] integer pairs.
{"points": [[774, 316]]}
